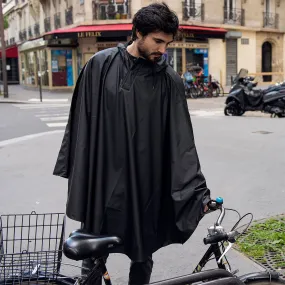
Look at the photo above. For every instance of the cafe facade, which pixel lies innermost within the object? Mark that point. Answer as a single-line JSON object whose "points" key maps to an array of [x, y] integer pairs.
{"points": [[58, 57]]}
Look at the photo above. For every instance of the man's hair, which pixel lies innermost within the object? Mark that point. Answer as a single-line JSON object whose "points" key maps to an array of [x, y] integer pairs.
{"points": [[156, 17]]}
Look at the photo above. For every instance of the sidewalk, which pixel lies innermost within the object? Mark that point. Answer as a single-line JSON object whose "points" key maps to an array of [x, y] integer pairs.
{"points": [[21, 94]]}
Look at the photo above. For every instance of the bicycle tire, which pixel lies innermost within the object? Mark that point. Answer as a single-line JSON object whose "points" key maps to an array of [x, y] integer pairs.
{"points": [[265, 282], [216, 92], [222, 92], [64, 280], [193, 93]]}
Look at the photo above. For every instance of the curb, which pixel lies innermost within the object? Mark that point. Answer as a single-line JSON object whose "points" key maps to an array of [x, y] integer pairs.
{"points": [[14, 101]]}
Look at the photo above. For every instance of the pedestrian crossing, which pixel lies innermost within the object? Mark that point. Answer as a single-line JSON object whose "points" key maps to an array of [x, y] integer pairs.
{"points": [[53, 115], [210, 113]]}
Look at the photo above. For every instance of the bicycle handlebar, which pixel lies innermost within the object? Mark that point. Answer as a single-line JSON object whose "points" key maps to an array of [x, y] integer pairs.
{"points": [[218, 237], [217, 204]]}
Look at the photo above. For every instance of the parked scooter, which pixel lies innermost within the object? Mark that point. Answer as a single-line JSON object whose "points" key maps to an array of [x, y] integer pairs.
{"points": [[243, 97]]}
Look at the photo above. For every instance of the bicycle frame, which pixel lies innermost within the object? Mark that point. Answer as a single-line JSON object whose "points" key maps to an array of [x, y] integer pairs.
{"points": [[100, 270], [213, 274], [213, 249]]}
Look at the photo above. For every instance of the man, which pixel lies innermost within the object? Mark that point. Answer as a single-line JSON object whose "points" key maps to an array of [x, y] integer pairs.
{"points": [[128, 150]]}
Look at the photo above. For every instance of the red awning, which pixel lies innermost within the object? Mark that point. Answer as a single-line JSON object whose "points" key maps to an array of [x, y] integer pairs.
{"points": [[202, 29], [128, 27], [94, 28], [11, 52]]}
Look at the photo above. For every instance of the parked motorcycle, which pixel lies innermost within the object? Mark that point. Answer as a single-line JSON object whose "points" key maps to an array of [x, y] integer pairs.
{"points": [[243, 97]]}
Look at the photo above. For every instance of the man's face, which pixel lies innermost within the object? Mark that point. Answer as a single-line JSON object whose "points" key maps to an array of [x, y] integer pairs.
{"points": [[154, 45]]}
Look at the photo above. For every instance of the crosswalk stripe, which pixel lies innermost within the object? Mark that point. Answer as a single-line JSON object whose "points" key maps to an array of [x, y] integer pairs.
{"points": [[207, 113], [50, 114], [63, 118], [48, 100], [43, 107], [54, 125]]}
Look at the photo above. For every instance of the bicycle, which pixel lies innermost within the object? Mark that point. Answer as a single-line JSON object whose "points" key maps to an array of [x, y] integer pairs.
{"points": [[81, 244]]}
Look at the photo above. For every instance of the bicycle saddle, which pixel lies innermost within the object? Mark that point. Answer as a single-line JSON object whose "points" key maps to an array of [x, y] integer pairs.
{"points": [[81, 245]]}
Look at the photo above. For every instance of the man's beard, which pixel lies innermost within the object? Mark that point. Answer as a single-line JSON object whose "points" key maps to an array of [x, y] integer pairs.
{"points": [[147, 55]]}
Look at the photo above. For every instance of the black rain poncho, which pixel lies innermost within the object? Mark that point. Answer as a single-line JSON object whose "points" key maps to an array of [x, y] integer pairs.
{"points": [[129, 154]]}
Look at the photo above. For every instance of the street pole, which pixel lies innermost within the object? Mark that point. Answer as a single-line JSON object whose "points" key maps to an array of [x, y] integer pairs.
{"points": [[40, 85], [4, 71]]}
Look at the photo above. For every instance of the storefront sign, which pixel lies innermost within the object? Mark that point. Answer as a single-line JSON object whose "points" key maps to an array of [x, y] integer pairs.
{"points": [[188, 45], [32, 44], [106, 45], [89, 34], [187, 35]]}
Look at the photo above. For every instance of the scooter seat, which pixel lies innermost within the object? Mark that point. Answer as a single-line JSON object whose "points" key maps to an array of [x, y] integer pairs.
{"points": [[81, 245], [273, 96]]}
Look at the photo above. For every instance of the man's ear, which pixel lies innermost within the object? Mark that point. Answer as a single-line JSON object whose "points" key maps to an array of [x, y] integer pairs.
{"points": [[139, 35]]}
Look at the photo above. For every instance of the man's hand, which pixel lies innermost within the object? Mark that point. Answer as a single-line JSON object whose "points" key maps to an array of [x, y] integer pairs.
{"points": [[206, 208]]}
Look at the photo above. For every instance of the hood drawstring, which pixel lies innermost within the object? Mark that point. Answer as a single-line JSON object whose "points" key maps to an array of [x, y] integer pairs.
{"points": [[153, 77]]}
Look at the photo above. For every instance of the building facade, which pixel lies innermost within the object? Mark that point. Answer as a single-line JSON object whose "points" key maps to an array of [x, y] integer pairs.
{"points": [[55, 38]]}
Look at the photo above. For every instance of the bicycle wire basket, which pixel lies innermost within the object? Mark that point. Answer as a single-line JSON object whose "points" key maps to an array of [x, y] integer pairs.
{"points": [[30, 247]]}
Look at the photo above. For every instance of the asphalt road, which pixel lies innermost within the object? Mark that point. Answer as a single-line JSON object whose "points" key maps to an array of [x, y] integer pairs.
{"points": [[242, 159], [18, 120]]}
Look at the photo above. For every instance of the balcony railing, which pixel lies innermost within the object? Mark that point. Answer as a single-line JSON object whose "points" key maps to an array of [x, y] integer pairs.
{"points": [[30, 32], [23, 35], [69, 16], [193, 11], [270, 20], [103, 10], [47, 24], [234, 16], [57, 24], [37, 29]]}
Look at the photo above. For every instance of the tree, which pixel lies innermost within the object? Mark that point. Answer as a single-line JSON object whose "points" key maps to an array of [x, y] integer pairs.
{"points": [[4, 71], [6, 23]]}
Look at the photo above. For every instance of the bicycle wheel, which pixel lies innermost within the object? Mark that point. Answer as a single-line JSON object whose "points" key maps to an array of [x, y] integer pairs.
{"points": [[222, 92], [265, 282], [193, 93], [216, 92], [188, 93]]}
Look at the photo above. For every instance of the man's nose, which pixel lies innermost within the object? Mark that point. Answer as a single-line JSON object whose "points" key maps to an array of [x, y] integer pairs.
{"points": [[162, 49]]}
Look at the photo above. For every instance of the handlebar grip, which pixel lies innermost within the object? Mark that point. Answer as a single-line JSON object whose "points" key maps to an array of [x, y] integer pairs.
{"points": [[216, 238]]}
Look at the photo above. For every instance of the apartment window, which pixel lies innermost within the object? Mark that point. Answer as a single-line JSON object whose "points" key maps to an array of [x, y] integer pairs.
{"points": [[267, 6], [244, 41], [229, 6]]}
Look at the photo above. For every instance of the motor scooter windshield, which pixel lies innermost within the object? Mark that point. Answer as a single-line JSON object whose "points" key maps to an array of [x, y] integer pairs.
{"points": [[242, 74]]}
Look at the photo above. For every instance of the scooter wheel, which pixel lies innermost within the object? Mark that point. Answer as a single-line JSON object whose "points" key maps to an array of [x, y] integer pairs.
{"points": [[274, 115], [227, 111], [233, 110]]}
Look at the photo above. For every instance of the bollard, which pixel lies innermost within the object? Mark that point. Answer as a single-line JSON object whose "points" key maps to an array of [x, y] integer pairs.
{"points": [[40, 85]]}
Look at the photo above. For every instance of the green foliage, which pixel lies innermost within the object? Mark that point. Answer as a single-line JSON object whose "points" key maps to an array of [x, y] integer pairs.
{"points": [[6, 23], [263, 238]]}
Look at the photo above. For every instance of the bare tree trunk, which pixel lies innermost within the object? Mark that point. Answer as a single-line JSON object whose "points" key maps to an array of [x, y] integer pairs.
{"points": [[4, 71]]}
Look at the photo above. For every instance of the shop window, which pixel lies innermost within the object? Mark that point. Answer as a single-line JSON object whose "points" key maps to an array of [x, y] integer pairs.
{"points": [[174, 59], [44, 67], [23, 69], [197, 57], [79, 61], [62, 70], [31, 68]]}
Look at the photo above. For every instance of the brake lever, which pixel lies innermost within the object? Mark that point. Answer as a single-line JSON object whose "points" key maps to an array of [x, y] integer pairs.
{"points": [[225, 252]]}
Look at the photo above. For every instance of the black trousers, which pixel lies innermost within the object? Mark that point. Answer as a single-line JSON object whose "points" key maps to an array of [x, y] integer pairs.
{"points": [[139, 274]]}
